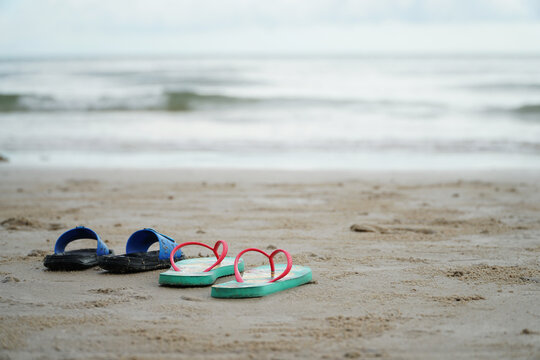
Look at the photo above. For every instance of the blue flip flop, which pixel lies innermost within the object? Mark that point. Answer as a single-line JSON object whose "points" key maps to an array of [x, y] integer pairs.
{"points": [[76, 259], [137, 257]]}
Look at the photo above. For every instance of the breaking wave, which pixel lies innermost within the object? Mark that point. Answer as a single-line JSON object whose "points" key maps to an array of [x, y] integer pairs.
{"points": [[528, 109], [177, 101], [168, 101]]}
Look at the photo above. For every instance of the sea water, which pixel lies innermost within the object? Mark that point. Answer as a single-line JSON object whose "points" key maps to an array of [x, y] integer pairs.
{"points": [[275, 112]]}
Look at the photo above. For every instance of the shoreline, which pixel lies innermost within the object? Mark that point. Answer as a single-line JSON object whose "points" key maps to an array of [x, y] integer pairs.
{"points": [[262, 173], [282, 160]]}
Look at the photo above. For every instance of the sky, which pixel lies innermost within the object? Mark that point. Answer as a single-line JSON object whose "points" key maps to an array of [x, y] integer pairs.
{"points": [[185, 27]]}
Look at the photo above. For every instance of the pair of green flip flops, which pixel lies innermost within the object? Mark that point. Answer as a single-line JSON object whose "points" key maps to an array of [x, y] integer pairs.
{"points": [[257, 282]]}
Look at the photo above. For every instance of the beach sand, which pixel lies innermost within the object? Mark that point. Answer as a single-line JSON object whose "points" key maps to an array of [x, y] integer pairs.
{"points": [[437, 265]]}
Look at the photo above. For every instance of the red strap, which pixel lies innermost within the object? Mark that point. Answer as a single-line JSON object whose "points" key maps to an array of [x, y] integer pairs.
{"points": [[214, 250], [270, 259]]}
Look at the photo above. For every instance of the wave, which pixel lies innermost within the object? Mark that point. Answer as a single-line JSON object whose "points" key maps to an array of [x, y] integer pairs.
{"points": [[22, 103], [9, 102], [178, 101], [523, 112], [169, 101], [505, 86], [164, 78], [188, 100], [527, 109]]}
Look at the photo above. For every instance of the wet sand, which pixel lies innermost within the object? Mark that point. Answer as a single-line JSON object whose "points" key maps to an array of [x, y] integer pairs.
{"points": [[405, 265]]}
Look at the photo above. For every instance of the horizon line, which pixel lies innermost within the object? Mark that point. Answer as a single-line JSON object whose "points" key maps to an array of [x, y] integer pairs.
{"points": [[374, 54]]}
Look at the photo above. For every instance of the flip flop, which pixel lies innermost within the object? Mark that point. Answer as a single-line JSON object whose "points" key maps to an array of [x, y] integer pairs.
{"points": [[200, 271], [76, 259], [137, 257], [261, 281]]}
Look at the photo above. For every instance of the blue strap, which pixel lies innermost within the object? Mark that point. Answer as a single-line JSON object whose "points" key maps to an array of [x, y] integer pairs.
{"points": [[80, 232], [141, 240]]}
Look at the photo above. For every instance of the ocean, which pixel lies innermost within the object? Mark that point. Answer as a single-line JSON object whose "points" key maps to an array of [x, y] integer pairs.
{"points": [[275, 112]]}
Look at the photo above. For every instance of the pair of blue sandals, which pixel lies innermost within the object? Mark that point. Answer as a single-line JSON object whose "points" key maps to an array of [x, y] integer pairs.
{"points": [[260, 281], [137, 257]]}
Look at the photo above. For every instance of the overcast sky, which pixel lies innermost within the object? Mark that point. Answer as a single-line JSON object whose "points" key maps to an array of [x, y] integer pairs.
{"points": [[101, 27]]}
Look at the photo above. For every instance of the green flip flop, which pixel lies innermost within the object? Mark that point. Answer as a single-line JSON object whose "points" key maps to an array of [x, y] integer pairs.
{"points": [[261, 281], [199, 271]]}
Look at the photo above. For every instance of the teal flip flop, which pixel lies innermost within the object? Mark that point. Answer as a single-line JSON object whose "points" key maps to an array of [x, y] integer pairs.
{"points": [[261, 281], [199, 271]]}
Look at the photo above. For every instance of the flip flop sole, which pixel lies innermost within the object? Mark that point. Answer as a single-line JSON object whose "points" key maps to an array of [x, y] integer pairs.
{"points": [[256, 282], [192, 272], [71, 260]]}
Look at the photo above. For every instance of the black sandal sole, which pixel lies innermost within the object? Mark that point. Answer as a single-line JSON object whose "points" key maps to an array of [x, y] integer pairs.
{"points": [[72, 260], [134, 262]]}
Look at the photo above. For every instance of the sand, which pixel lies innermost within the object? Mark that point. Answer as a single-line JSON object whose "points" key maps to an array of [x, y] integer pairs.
{"points": [[406, 265]]}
